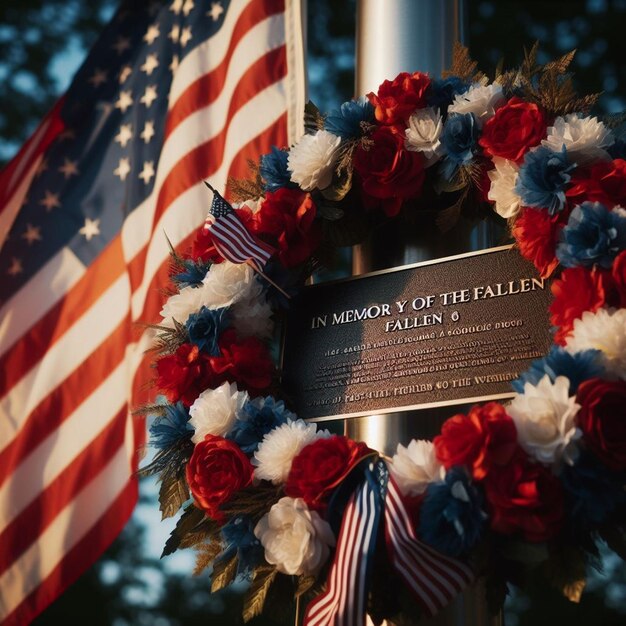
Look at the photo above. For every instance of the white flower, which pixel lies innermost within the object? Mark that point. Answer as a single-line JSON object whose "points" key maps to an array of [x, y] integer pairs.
{"points": [[226, 283], [181, 305], [252, 317], [604, 330], [312, 160], [215, 410], [280, 446], [422, 135], [545, 418], [295, 539], [415, 466], [253, 204], [584, 138], [481, 100], [502, 189]]}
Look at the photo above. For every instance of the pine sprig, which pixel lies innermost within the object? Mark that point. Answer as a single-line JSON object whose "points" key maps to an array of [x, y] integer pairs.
{"points": [[252, 501], [189, 521], [313, 119], [242, 189], [168, 340], [205, 555], [463, 65]]}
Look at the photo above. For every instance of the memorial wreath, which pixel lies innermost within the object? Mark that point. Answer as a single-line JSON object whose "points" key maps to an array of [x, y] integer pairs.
{"points": [[507, 491]]}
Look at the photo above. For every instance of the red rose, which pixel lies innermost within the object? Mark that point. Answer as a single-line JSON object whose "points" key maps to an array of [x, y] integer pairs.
{"points": [[398, 98], [603, 182], [321, 466], [516, 127], [388, 171], [525, 496], [216, 470], [537, 234], [244, 361], [484, 438], [185, 374], [578, 290], [286, 219], [602, 418], [619, 278]]}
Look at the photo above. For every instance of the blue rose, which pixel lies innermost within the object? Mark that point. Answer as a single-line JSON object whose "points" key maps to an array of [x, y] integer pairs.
{"points": [[205, 327], [443, 91], [345, 122], [192, 273], [274, 171], [460, 140], [172, 427], [239, 539]]}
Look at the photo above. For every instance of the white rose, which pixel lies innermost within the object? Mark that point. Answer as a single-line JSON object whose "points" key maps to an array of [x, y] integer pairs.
{"points": [[226, 283], [423, 133], [415, 466], [502, 189], [545, 418], [215, 410], [181, 305], [295, 539], [481, 100], [312, 160], [252, 317]]}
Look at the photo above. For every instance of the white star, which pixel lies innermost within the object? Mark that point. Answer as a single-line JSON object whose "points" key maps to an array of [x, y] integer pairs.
{"points": [[125, 135], [122, 43], [123, 168], [50, 201], [148, 131], [149, 95], [90, 229], [147, 172], [15, 268], [151, 34], [31, 234], [188, 7], [174, 34], [69, 168], [185, 36], [174, 63], [150, 64], [177, 5], [216, 10], [124, 101], [125, 72], [98, 77]]}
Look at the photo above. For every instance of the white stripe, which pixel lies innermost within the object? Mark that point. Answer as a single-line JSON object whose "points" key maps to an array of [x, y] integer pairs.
{"points": [[61, 447], [69, 527]]}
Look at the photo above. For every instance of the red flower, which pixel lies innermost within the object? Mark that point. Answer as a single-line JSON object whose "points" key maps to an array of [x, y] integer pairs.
{"points": [[246, 362], [602, 419], [619, 278], [516, 127], [604, 182], [388, 171], [398, 98], [578, 290], [484, 438], [216, 470], [185, 374], [286, 219], [321, 466], [525, 496], [537, 234]]}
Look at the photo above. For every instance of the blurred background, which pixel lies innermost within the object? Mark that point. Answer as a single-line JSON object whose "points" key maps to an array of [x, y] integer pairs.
{"points": [[42, 44]]}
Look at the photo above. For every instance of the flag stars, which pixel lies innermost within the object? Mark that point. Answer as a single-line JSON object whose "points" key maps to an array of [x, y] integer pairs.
{"points": [[150, 64], [98, 77], [122, 43], [69, 168], [125, 72], [147, 172], [90, 229], [185, 36], [43, 166], [148, 132], [151, 34], [149, 95], [31, 234], [216, 10], [174, 63], [125, 135], [50, 201], [15, 268], [124, 101], [174, 34], [188, 7], [123, 168], [176, 7]]}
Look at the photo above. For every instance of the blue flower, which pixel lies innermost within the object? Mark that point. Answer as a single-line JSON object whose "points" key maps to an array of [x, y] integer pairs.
{"points": [[192, 274], [238, 538], [257, 418], [543, 178], [443, 90], [577, 367], [345, 122], [169, 429], [205, 326], [274, 171], [460, 140], [452, 517], [593, 235]]}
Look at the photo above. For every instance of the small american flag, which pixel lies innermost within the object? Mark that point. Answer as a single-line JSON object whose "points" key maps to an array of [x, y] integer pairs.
{"points": [[171, 94]]}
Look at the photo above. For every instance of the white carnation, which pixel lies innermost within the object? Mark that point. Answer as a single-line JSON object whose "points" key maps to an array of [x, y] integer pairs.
{"points": [[584, 138], [253, 204], [604, 330], [481, 100], [545, 418], [415, 466], [423, 133], [215, 410], [279, 448], [226, 283], [295, 539], [181, 305], [312, 160], [502, 190], [252, 317]]}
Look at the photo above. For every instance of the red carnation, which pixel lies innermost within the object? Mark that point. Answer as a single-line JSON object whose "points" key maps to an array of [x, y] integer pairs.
{"points": [[216, 470], [602, 419], [619, 278], [321, 466], [388, 171], [577, 290], [398, 98], [604, 182], [516, 127], [537, 234], [484, 438], [525, 497], [185, 374], [286, 219]]}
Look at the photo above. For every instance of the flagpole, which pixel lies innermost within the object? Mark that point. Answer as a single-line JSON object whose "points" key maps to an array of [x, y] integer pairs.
{"points": [[268, 279]]}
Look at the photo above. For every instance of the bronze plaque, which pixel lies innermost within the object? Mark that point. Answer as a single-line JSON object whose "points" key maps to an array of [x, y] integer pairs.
{"points": [[438, 333]]}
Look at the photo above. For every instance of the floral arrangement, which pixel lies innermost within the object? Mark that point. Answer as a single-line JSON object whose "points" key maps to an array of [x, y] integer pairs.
{"points": [[507, 491]]}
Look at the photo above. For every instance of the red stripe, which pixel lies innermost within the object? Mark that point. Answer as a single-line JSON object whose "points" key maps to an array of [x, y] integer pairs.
{"points": [[78, 559]]}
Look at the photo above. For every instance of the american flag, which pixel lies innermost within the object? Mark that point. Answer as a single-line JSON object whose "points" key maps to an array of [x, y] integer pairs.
{"points": [[172, 93]]}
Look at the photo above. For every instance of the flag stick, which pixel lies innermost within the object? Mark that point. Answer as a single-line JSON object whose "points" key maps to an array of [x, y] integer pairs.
{"points": [[268, 279]]}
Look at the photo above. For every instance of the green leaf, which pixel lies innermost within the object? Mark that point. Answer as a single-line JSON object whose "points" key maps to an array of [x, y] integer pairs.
{"points": [[527, 553], [313, 119], [172, 495], [189, 520], [224, 573], [254, 601], [205, 530]]}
